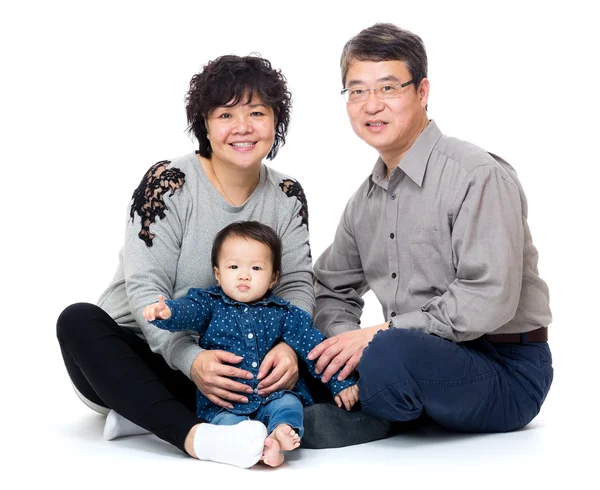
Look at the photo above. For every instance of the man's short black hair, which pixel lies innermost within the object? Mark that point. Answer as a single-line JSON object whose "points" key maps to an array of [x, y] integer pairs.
{"points": [[386, 42]]}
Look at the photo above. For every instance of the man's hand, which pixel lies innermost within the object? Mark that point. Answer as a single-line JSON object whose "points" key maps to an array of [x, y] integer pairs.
{"points": [[212, 377], [160, 310], [281, 366], [348, 397], [342, 351]]}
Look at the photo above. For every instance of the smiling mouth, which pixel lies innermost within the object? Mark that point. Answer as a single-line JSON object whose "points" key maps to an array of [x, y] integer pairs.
{"points": [[244, 144]]}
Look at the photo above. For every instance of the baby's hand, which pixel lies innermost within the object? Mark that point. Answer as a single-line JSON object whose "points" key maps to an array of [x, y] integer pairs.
{"points": [[160, 310], [348, 397]]}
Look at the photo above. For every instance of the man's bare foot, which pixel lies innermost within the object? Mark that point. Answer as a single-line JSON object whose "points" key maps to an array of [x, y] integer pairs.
{"points": [[272, 455], [286, 437]]}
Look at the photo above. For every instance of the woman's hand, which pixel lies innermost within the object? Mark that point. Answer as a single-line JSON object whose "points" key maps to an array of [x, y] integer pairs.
{"points": [[342, 351], [213, 377], [282, 364]]}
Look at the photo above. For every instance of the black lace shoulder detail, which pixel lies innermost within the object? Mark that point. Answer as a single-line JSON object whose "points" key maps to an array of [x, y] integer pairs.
{"points": [[148, 197], [292, 188]]}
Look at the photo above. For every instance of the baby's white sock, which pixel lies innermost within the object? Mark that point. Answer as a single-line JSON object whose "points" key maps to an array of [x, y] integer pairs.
{"points": [[239, 445], [118, 426]]}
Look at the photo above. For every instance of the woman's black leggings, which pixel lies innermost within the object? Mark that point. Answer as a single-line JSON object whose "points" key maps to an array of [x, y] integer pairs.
{"points": [[114, 368]]}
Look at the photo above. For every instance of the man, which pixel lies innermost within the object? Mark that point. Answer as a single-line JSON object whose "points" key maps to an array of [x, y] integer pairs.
{"points": [[439, 232]]}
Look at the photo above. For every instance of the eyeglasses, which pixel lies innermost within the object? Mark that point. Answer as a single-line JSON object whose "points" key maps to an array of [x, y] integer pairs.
{"points": [[382, 91]]}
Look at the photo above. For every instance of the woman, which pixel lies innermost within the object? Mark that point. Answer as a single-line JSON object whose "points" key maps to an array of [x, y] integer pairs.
{"points": [[238, 108]]}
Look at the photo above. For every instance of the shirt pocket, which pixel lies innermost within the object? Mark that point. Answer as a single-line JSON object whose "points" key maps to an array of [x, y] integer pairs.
{"points": [[431, 263]]}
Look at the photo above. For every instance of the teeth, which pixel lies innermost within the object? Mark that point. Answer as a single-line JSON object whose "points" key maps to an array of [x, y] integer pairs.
{"points": [[376, 124], [243, 145]]}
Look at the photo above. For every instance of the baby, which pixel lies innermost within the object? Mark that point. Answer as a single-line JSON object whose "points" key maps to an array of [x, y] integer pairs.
{"points": [[242, 316]]}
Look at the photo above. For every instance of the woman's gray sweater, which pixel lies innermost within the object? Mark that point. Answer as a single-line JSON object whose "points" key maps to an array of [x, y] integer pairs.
{"points": [[172, 219]]}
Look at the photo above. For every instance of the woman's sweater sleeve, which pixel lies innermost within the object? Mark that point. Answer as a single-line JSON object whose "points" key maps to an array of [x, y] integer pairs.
{"points": [[296, 281], [151, 252]]}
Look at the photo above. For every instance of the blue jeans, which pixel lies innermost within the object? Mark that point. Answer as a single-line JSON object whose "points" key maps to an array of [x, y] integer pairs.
{"points": [[471, 386], [285, 410]]}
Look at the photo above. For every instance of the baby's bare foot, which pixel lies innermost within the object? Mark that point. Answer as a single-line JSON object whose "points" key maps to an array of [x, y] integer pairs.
{"points": [[272, 455], [286, 436]]}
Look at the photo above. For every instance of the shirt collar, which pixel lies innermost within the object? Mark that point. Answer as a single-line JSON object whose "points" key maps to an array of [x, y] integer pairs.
{"points": [[268, 299], [414, 162]]}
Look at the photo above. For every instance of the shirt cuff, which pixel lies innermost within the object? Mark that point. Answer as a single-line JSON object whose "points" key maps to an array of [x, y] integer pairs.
{"points": [[415, 320], [336, 386]]}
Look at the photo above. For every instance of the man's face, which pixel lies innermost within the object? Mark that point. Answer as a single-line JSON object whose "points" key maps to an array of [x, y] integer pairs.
{"points": [[388, 125]]}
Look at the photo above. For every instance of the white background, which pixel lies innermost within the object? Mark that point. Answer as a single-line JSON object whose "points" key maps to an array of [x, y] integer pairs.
{"points": [[91, 94]]}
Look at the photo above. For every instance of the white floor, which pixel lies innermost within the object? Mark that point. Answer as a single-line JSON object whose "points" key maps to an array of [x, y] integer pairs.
{"points": [[65, 450], [49, 438]]}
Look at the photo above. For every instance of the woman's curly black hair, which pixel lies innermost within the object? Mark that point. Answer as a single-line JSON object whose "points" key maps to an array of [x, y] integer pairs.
{"points": [[224, 81]]}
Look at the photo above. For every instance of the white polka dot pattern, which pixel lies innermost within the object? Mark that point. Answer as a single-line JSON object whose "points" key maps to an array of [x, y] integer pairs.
{"points": [[250, 331]]}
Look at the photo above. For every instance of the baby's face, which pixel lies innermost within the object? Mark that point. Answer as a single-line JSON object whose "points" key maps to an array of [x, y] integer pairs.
{"points": [[245, 269]]}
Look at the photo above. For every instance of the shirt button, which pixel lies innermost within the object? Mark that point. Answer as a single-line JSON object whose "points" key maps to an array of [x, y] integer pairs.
{"points": [[250, 335], [254, 364], [392, 236], [393, 313], [393, 196], [255, 390], [393, 277]]}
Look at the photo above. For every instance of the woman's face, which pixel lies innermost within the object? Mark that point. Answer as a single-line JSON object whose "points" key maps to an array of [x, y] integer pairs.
{"points": [[242, 135]]}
